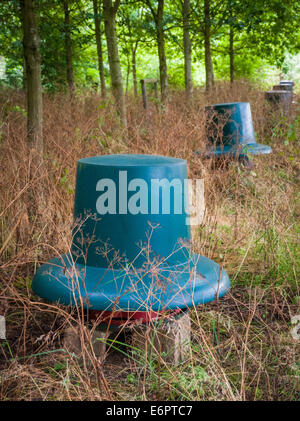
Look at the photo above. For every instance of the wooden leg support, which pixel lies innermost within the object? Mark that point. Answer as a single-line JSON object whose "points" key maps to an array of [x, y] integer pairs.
{"points": [[170, 339]]}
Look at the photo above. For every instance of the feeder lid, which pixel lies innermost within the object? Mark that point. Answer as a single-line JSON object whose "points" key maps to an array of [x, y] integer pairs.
{"points": [[131, 160], [279, 91], [287, 82]]}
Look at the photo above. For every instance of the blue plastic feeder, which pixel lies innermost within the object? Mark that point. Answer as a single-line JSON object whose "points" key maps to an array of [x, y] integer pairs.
{"points": [[280, 100], [131, 248], [288, 83], [230, 132], [283, 87]]}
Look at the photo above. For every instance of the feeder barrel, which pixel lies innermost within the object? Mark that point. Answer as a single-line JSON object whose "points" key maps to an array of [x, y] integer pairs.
{"points": [[122, 231], [238, 127], [129, 256]]}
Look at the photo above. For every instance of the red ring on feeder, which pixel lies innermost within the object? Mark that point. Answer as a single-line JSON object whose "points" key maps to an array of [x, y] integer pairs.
{"points": [[119, 318]]}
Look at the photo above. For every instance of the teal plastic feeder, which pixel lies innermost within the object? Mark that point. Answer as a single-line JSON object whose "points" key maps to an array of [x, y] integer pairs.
{"points": [[131, 245], [280, 100], [230, 132], [282, 87], [288, 83]]}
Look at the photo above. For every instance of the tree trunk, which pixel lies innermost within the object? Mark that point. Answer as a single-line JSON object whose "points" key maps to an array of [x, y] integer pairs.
{"points": [[133, 62], [32, 57], [99, 48], [231, 49], [161, 52], [187, 48], [34, 197], [231, 54], [127, 75], [109, 12], [24, 75], [68, 46], [209, 71]]}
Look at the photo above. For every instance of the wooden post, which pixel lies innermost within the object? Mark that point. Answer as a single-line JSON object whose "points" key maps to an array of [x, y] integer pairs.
{"points": [[144, 90], [155, 90], [144, 93]]}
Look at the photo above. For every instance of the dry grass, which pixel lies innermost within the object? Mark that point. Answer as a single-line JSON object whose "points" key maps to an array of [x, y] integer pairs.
{"points": [[242, 348]]}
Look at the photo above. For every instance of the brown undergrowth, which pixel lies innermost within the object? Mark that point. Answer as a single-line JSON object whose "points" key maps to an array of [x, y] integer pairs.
{"points": [[242, 347]]}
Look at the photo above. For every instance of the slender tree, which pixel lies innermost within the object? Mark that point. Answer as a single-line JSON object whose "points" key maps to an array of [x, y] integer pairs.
{"points": [[133, 47], [209, 70], [158, 15], [99, 46], [31, 44], [109, 12], [31, 47], [68, 46], [133, 63], [206, 24], [186, 10], [231, 48], [133, 32]]}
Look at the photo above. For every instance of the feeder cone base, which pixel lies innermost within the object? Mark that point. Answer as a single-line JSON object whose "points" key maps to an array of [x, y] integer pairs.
{"points": [[78, 340], [170, 339]]}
